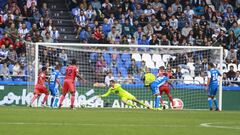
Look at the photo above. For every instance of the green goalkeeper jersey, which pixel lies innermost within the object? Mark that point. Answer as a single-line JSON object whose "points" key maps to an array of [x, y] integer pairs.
{"points": [[117, 89]]}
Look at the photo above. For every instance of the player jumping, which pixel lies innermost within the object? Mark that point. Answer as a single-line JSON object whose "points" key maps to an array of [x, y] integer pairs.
{"points": [[123, 94], [212, 86], [54, 84], [40, 87], [69, 82], [160, 81]]}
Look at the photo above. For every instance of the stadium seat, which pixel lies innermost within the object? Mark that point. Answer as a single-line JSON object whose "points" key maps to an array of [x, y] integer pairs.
{"points": [[114, 71], [18, 79], [28, 25], [7, 79], [10, 67], [156, 57], [127, 64], [159, 64], [188, 79], [1, 65], [166, 58], [107, 58], [123, 71], [191, 67], [146, 57], [154, 71], [150, 64], [125, 57], [138, 63], [93, 57], [136, 56], [198, 80]]}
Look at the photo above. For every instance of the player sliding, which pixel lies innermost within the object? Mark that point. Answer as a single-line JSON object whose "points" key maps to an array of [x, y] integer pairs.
{"points": [[40, 87], [155, 85], [54, 84], [123, 94], [69, 83], [212, 86]]}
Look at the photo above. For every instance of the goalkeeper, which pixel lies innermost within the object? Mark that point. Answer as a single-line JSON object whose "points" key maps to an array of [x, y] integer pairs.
{"points": [[123, 94]]}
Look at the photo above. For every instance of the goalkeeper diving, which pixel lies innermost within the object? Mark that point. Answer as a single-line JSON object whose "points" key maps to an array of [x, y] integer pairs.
{"points": [[123, 94]]}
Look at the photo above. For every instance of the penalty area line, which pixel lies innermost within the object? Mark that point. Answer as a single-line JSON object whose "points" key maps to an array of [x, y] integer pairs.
{"points": [[211, 125]]}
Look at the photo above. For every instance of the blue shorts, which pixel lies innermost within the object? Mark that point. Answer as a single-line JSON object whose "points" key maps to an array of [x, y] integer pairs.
{"points": [[154, 88], [212, 90], [54, 90]]}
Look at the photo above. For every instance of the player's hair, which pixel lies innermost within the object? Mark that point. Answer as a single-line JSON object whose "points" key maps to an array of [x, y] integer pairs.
{"points": [[44, 68], [112, 81], [58, 66], [211, 65], [74, 61], [161, 67]]}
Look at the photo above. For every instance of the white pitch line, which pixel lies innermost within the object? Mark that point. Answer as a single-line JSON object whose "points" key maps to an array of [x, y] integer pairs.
{"points": [[92, 124], [210, 125]]}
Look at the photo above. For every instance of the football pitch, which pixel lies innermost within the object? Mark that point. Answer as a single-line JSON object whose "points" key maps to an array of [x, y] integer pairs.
{"points": [[103, 121]]}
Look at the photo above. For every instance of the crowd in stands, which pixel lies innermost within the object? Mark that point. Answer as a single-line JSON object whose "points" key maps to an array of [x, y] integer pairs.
{"points": [[22, 20], [160, 22], [135, 22]]}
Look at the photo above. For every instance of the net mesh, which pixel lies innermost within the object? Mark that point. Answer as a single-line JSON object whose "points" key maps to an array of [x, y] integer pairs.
{"points": [[187, 68]]}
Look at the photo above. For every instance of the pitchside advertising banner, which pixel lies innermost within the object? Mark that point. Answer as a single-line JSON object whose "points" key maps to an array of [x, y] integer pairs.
{"points": [[85, 97], [88, 97]]}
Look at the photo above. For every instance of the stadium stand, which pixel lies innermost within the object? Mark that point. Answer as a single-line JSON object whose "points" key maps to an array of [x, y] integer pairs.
{"points": [[186, 22]]}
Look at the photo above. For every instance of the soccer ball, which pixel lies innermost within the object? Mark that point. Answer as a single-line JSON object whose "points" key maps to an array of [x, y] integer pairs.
{"points": [[178, 104]]}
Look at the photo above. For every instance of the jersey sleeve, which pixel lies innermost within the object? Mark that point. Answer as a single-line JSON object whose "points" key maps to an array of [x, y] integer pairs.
{"points": [[107, 93]]}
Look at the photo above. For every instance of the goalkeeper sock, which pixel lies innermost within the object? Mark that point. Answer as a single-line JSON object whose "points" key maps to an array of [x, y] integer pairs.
{"points": [[157, 101], [72, 100], [210, 103], [216, 103], [52, 99], [171, 100]]}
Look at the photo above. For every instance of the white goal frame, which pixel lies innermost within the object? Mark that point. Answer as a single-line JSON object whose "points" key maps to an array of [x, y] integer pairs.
{"points": [[132, 46]]}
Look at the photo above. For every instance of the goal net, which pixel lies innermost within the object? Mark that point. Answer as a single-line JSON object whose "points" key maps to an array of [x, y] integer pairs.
{"points": [[127, 64]]}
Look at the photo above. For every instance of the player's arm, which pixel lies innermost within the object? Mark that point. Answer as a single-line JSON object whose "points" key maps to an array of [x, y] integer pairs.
{"points": [[80, 76], [208, 80], [170, 83], [107, 93]]}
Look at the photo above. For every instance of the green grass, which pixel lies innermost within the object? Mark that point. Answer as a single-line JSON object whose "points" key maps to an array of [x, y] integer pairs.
{"points": [[41, 121]]}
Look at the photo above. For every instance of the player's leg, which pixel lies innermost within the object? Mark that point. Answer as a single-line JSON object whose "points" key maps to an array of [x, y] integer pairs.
{"points": [[141, 103], [125, 101], [160, 92], [167, 91], [156, 93], [56, 99], [51, 88], [72, 91], [210, 97], [214, 98], [35, 96], [45, 91], [64, 92]]}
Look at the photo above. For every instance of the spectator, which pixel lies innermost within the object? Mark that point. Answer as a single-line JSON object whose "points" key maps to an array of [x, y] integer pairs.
{"points": [[96, 4], [3, 54], [178, 74], [237, 78], [154, 40], [238, 54], [129, 79], [22, 59], [226, 80], [119, 78], [112, 35], [17, 70], [55, 35], [231, 74], [4, 71], [133, 69], [138, 34], [63, 58], [164, 40], [12, 55], [108, 77], [232, 56], [138, 11], [22, 30]]}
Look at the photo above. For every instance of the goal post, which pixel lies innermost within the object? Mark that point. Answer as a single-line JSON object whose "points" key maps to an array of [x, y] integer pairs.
{"points": [[95, 61]]}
